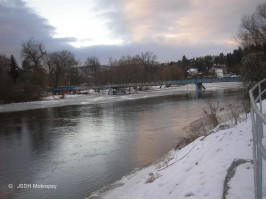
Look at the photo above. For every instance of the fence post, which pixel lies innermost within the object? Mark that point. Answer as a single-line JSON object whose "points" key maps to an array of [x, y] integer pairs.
{"points": [[257, 118], [259, 156], [254, 137]]}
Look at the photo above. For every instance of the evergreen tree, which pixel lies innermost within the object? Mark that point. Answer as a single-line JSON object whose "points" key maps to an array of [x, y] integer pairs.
{"points": [[185, 62], [14, 69]]}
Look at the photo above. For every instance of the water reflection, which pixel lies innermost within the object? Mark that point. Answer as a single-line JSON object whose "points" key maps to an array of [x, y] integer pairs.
{"points": [[82, 148]]}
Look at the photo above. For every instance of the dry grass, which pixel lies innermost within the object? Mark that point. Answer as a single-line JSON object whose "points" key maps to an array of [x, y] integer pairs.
{"points": [[211, 112], [152, 177]]}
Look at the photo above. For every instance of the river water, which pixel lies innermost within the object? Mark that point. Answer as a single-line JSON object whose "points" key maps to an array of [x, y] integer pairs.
{"points": [[82, 148]]}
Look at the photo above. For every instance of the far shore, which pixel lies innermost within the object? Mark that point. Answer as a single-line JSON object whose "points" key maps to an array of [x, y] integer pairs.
{"points": [[103, 97]]}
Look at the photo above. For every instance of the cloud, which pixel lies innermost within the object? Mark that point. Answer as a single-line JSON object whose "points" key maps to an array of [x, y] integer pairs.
{"points": [[165, 53], [168, 28], [173, 28], [177, 22], [18, 23]]}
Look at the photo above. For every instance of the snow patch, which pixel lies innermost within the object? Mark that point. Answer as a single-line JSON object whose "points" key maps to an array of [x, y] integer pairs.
{"points": [[94, 97]]}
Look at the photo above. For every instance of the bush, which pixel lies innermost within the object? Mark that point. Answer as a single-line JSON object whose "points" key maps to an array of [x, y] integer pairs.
{"points": [[212, 114], [254, 68], [172, 72], [21, 93]]}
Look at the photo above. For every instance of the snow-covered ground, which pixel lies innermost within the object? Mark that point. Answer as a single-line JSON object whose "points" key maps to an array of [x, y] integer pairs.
{"points": [[199, 170], [103, 97]]}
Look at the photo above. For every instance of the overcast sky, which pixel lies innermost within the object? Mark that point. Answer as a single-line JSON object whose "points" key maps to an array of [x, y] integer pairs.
{"points": [[112, 28]]}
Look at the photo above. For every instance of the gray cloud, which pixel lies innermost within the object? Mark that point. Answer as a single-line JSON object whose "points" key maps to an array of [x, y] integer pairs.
{"points": [[169, 28], [195, 28], [164, 53], [176, 22], [18, 23]]}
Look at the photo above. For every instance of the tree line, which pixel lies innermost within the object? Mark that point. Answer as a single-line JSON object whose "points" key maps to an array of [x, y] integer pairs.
{"points": [[232, 61], [41, 70]]}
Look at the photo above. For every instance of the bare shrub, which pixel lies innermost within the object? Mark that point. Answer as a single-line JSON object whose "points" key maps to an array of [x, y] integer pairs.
{"points": [[23, 93], [165, 162], [152, 177], [211, 113], [185, 141], [233, 113], [246, 107], [63, 93], [195, 129]]}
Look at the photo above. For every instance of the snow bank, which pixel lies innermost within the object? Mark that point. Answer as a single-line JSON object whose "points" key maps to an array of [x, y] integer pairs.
{"points": [[96, 98], [196, 171]]}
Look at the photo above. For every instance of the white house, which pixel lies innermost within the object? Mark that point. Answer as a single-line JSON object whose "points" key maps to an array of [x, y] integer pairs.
{"points": [[219, 70], [192, 71]]}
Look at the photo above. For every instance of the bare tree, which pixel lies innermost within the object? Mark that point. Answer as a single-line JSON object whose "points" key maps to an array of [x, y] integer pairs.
{"points": [[255, 68], [28, 89], [138, 70], [4, 69], [4, 77], [55, 69], [252, 35], [172, 72], [125, 69], [111, 73], [93, 66], [148, 61], [33, 51], [61, 64], [253, 28]]}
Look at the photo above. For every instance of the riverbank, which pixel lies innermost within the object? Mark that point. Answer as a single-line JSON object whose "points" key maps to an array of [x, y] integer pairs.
{"points": [[202, 169], [103, 97]]}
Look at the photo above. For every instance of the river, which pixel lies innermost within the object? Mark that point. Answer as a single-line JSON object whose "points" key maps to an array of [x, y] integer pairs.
{"points": [[80, 148]]}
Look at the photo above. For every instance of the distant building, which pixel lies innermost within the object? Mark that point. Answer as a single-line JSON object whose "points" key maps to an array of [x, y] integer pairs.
{"points": [[219, 70], [192, 71]]}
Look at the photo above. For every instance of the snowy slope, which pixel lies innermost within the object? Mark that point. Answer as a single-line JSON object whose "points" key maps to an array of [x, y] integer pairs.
{"points": [[196, 171]]}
